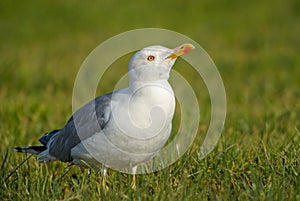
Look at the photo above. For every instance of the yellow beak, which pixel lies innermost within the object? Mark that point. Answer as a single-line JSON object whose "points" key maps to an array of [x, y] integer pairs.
{"points": [[182, 49]]}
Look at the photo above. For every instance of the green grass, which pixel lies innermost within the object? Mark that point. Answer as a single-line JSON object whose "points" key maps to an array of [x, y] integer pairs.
{"points": [[255, 45]]}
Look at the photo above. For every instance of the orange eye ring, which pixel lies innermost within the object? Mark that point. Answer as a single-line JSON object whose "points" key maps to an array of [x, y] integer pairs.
{"points": [[150, 58]]}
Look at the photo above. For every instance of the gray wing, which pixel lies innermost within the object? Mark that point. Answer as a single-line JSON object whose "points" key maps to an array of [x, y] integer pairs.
{"points": [[84, 123]]}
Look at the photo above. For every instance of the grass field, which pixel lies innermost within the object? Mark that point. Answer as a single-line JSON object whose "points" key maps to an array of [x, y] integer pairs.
{"points": [[255, 45]]}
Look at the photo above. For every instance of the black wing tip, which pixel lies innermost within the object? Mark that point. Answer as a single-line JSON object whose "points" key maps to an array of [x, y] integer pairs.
{"points": [[45, 138], [18, 149], [30, 149]]}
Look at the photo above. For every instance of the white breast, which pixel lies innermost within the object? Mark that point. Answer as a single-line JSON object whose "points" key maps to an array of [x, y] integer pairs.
{"points": [[140, 125]]}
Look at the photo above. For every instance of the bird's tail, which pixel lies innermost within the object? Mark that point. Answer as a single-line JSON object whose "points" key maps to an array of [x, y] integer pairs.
{"points": [[31, 149]]}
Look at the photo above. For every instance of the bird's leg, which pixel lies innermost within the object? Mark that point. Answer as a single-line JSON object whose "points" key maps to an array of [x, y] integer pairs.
{"points": [[133, 182], [104, 179]]}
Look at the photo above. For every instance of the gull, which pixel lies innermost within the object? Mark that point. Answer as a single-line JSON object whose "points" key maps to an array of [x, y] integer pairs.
{"points": [[124, 128]]}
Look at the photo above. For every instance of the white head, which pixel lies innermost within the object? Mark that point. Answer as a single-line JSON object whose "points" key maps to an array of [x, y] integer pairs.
{"points": [[155, 62]]}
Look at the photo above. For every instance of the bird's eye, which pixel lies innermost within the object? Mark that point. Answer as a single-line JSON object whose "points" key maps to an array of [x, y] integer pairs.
{"points": [[150, 58]]}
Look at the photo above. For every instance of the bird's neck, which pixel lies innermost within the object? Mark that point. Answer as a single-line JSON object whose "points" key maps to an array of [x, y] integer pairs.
{"points": [[137, 84]]}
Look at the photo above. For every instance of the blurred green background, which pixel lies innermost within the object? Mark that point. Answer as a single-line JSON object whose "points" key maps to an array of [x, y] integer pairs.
{"points": [[254, 44]]}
